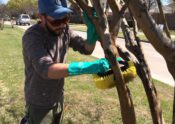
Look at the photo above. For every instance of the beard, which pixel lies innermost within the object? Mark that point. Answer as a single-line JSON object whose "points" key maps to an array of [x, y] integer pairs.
{"points": [[55, 32]]}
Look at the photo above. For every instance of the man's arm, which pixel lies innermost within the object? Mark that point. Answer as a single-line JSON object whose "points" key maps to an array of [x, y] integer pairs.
{"points": [[37, 56], [58, 70], [80, 44], [90, 47], [89, 44]]}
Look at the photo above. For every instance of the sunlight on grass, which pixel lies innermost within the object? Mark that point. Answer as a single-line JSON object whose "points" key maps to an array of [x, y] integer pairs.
{"points": [[11, 76]]}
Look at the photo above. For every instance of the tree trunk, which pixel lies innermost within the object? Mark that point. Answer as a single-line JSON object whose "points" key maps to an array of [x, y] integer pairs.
{"points": [[144, 73], [126, 104], [157, 38], [155, 35]]}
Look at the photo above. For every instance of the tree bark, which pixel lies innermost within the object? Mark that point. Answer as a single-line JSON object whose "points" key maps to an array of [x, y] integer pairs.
{"points": [[166, 29], [157, 38], [144, 73], [126, 104], [163, 44]]}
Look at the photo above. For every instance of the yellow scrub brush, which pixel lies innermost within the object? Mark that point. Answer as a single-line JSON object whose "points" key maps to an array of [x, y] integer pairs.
{"points": [[107, 80]]}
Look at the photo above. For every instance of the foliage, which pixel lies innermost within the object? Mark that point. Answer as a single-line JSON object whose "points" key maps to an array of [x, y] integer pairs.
{"points": [[22, 6], [3, 10]]}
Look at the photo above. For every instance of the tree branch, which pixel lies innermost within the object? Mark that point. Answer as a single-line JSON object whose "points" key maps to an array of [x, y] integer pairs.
{"points": [[163, 19], [127, 109], [144, 73]]}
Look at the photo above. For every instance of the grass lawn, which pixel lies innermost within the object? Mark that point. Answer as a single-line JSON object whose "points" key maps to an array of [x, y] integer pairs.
{"points": [[84, 104]]}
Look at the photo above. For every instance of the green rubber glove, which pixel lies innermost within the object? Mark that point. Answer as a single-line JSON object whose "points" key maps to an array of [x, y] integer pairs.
{"points": [[94, 67], [92, 35]]}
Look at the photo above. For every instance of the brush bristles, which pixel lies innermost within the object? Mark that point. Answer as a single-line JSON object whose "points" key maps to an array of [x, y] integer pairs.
{"points": [[107, 80]]}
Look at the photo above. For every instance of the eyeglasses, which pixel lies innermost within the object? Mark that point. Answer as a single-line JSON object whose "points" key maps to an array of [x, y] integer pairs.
{"points": [[58, 22]]}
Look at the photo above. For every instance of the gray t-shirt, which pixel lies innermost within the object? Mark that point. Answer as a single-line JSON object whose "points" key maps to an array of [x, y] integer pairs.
{"points": [[40, 50]]}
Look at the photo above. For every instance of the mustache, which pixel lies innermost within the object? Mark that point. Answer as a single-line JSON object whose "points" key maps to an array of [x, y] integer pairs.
{"points": [[60, 28]]}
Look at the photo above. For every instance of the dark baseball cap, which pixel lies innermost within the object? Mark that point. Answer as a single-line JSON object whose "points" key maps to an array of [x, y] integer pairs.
{"points": [[53, 8]]}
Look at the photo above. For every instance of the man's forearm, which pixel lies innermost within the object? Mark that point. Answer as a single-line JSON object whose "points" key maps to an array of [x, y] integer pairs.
{"points": [[58, 70]]}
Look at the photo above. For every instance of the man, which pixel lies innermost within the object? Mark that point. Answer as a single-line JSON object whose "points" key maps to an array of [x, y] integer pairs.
{"points": [[44, 50]]}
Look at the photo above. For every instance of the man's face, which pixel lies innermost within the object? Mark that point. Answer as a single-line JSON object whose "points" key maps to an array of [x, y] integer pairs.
{"points": [[56, 26]]}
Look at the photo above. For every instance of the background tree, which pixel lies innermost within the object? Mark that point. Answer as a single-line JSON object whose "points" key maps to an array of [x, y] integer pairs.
{"points": [[3, 9], [17, 7]]}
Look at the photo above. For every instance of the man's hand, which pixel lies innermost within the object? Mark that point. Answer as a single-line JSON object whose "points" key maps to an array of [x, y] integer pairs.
{"points": [[94, 67], [128, 71]]}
